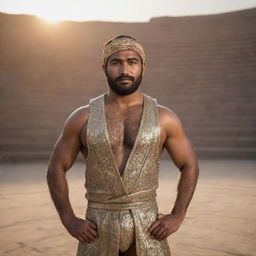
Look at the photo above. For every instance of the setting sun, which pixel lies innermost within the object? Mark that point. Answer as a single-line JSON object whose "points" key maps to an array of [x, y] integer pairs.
{"points": [[50, 20], [115, 10], [51, 16]]}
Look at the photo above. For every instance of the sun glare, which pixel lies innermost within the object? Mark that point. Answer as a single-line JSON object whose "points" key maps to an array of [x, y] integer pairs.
{"points": [[51, 16], [49, 20]]}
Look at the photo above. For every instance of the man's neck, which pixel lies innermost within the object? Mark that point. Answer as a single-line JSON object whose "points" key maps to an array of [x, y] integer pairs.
{"points": [[124, 100]]}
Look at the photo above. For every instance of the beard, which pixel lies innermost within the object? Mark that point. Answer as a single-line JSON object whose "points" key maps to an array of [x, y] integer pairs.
{"points": [[123, 89]]}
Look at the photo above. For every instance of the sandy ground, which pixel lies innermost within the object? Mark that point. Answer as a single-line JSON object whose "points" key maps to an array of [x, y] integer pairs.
{"points": [[221, 219]]}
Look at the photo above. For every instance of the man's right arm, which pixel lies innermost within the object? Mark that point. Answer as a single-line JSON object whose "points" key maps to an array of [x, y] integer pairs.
{"points": [[62, 158]]}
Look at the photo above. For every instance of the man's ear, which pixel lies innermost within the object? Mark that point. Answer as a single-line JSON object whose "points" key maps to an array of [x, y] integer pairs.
{"points": [[143, 68], [104, 68]]}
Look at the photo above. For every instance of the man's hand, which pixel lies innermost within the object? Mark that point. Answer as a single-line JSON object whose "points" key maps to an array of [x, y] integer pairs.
{"points": [[165, 225], [83, 230]]}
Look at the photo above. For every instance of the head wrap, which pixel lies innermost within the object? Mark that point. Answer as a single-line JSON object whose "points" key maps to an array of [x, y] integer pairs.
{"points": [[124, 43]]}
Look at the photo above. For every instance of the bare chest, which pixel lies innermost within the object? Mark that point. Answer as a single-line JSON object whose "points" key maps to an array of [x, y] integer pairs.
{"points": [[123, 126]]}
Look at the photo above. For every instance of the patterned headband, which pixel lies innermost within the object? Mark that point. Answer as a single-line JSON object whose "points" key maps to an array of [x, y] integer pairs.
{"points": [[122, 44]]}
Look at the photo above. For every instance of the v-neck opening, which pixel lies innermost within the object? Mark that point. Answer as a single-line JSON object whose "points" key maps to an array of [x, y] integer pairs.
{"points": [[135, 142]]}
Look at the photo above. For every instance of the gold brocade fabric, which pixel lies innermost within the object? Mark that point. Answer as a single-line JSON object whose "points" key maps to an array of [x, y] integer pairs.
{"points": [[122, 207]]}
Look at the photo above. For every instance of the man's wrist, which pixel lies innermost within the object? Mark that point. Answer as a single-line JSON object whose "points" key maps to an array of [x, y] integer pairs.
{"points": [[178, 214], [65, 217]]}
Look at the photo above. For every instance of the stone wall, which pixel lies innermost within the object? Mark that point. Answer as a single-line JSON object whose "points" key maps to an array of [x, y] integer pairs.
{"points": [[202, 67]]}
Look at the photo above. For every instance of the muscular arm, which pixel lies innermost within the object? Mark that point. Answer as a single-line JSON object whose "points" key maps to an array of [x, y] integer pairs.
{"points": [[183, 156], [62, 158], [180, 150]]}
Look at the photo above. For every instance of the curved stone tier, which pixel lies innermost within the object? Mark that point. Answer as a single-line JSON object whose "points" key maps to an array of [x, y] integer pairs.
{"points": [[202, 67]]}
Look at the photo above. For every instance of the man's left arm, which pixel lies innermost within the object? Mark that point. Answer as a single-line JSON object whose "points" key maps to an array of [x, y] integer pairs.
{"points": [[180, 150]]}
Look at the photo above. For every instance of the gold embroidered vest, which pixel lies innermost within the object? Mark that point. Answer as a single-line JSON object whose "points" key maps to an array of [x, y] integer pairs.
{"points": [[109, 193], [139, 181]]}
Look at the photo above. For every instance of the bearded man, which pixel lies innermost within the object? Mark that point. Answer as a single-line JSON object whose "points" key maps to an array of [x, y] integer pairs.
{"points": [[121, 135]]}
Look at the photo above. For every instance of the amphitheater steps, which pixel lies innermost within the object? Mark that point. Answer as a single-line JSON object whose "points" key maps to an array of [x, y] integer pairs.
{"points": [[201, 67]]}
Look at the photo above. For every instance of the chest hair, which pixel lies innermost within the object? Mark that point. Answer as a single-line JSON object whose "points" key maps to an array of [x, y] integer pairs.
{"points": [[123, 126]]}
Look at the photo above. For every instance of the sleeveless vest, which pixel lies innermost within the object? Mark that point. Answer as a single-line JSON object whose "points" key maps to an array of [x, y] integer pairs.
{"points": [[135, 190]]}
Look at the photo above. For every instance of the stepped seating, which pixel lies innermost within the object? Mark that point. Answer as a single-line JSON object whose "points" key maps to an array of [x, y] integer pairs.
{"points": [[201, 67]]}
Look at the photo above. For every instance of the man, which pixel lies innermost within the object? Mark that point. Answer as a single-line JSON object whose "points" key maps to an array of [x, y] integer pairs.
{"points": [[121, 135]]}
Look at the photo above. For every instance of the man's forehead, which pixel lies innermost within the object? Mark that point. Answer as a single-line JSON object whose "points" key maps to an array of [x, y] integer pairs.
{"points": [[124, 54]]}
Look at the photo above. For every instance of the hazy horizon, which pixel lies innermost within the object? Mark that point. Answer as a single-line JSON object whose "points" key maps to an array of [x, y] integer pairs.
{"points": [[119, 11]]}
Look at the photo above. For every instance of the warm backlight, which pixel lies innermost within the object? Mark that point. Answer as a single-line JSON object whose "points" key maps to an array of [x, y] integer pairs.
{"points": [[51, 18]]}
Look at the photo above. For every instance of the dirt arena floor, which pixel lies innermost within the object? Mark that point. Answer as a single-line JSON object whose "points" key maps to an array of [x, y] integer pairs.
{"points": [[221, 219]]}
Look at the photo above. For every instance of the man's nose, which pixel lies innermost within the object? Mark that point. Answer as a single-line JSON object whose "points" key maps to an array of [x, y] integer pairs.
{"points": [[125, 69]]}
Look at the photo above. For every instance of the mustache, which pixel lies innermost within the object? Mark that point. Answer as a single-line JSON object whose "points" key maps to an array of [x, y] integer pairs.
{"points": [[119, 78]]}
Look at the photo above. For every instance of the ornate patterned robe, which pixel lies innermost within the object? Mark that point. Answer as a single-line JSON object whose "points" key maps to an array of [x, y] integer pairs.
{"points": [[108, 193]]}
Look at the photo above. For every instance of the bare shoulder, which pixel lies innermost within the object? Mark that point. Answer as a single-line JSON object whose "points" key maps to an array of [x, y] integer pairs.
{"points": [[168, 117], [77, 119], [170, 123]]}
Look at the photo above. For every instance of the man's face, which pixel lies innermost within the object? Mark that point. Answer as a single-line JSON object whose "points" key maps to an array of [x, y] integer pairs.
{"points": [[124, 72]]}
